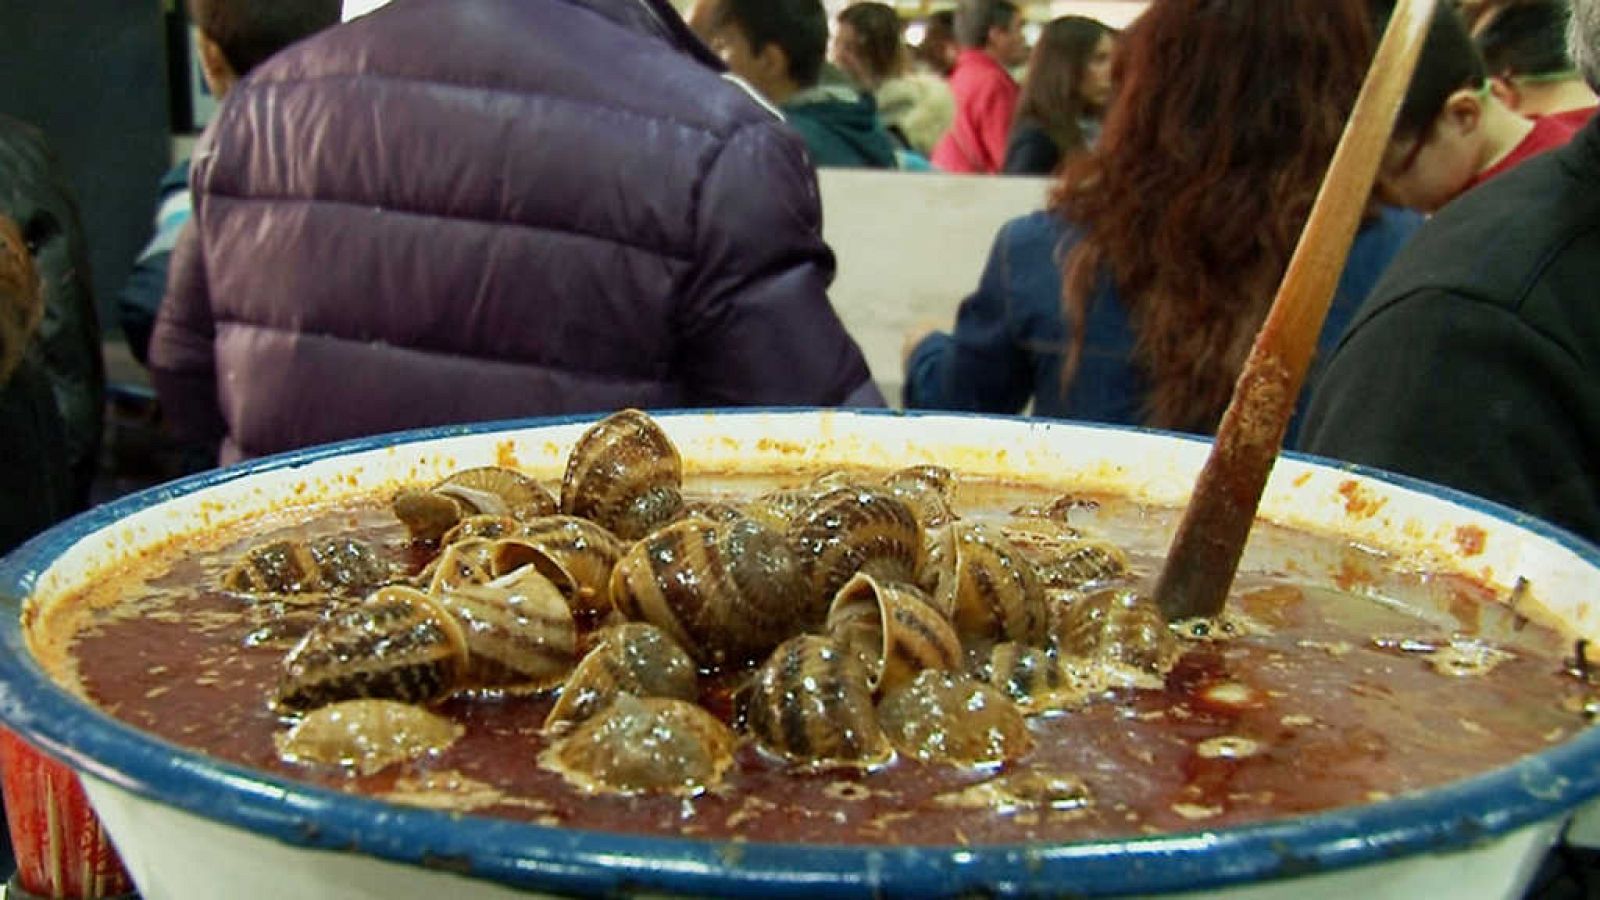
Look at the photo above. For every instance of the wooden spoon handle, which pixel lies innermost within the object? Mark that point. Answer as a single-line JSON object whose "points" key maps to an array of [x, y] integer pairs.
{"points": [[1210, 540]]}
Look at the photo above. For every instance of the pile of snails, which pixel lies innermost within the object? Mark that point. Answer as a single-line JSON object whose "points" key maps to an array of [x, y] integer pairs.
{"points": [[861, 617]]}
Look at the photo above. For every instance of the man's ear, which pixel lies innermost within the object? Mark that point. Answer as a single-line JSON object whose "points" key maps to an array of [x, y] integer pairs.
{"points": [[1463, 110], [1506, 91], [773, 63], [996, 33], [214, 66]]}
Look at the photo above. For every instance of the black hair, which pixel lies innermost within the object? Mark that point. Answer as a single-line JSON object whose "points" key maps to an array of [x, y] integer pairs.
{"points": [[798, 27], [974, 19], [249, 31], [1449, 61], [939, 33], [1527, 39], [878, 43]]}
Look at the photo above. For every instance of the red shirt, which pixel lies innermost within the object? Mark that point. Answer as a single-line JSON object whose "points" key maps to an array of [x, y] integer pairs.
{"points": [[1575, 118], [1548, 133], [986, 99]]}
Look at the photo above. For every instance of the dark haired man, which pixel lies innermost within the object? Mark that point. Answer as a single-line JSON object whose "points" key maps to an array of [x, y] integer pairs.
{"points": [[1453, 133], [778, 47], [1524, 46], [233, 37], [939, 50], [990, 35], [1475, 362], [451, 211]]}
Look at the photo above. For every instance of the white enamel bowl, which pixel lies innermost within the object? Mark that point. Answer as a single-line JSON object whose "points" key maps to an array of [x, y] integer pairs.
{"points": [[191, 827]]}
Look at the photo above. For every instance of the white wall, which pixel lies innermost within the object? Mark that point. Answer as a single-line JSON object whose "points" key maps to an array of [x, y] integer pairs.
{"points": [[353, 8], [910, 247]]}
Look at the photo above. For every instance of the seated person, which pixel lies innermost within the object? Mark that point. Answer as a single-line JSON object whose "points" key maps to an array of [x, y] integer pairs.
{"points": [[1524, 47], [938, 50], [1453, 132], [35, 481], [34, 194], [233, 37], [915, 107], [451, 211], [990, 35], [1136, 297], [1476, 361], [1063, 97], [778, 46]]}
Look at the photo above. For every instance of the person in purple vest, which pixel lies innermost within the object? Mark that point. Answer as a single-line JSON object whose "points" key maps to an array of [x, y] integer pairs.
{"points": [[459, 210]]}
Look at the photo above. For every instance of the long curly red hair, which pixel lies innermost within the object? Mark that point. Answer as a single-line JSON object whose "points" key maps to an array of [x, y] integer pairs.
{"points": [[1226, 117]]}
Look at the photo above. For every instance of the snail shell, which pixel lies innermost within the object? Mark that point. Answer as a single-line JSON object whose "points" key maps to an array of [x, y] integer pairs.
{"points": [[518, 629], [726, 593], [950, 718], [653, 745], [575, 554], [894, 629], [778, 509], [1058, 510], [989, 585], [481, 526], [625, 474], [486, 490], [366, 735], [850, 530], [279, 567], [1080, 563], [349, 567], [497, 491], [327, 565], [1115, 627], [281, 620], [711, 511], [632, 658], [461, 563], [1033, 679], [1036, 536], [927, 490], [398, 645], [810, 703]]}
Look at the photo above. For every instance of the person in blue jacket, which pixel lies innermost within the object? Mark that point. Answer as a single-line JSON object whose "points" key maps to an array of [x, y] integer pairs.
{"points": [[1134, 299]]}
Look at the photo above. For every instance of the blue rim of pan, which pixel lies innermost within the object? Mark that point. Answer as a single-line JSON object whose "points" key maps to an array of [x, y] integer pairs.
{"points": [[1536, 788]]}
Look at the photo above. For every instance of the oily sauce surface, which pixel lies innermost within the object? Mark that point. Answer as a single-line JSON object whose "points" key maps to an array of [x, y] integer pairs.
{"points": [[1335, 698]]}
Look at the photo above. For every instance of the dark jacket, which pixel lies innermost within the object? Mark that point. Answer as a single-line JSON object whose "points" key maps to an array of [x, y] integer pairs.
{"points": [[458, 210], [34, 193], [841, 128], [1010, 336], [1476, 362], [36, 488], [1031, 150]]}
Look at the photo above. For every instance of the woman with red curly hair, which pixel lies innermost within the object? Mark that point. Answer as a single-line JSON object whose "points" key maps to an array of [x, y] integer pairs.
{"points": [[1135, 298]]}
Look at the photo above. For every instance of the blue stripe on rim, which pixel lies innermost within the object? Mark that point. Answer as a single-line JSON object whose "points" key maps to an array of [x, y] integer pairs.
{"points": [[1463, 813]]}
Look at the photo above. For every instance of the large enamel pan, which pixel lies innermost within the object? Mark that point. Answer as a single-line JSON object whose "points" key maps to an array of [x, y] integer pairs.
{"points": [[191, 827]]}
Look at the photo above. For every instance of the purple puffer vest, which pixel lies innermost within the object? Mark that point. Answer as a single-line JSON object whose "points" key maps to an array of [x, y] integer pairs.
{"points": [[459, 210]]}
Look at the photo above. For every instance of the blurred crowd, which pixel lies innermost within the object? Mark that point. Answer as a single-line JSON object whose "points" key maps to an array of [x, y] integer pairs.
{"points": [[460, 210]]}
